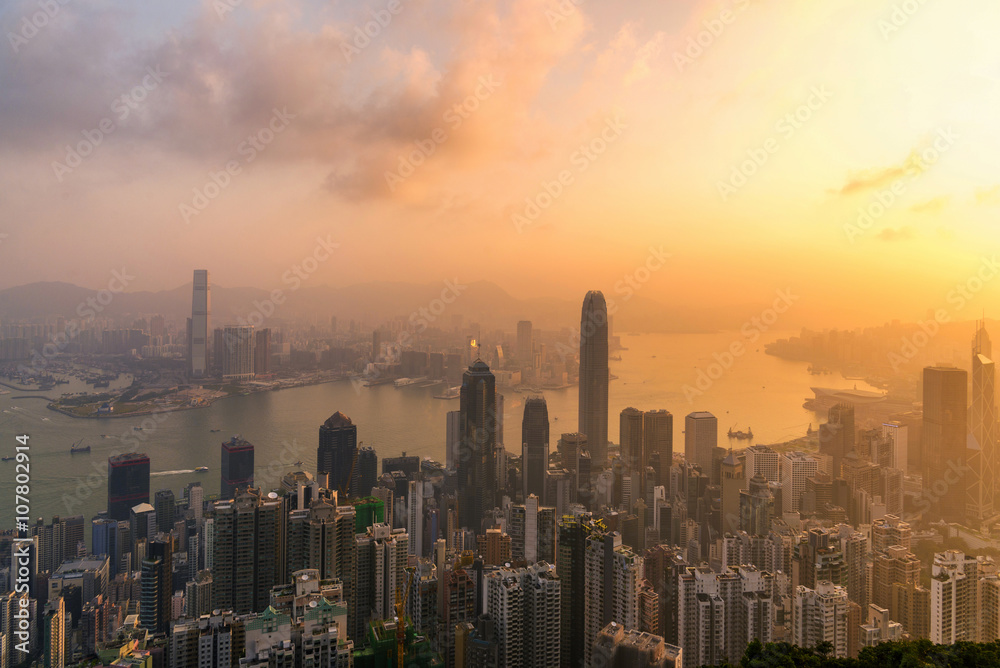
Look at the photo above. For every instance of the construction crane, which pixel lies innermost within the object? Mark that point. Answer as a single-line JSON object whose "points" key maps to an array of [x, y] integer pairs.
{"points": [[401, 617]]}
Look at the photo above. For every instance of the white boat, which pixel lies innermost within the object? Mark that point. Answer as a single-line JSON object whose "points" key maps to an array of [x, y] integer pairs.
{"points": [[201, 469]]}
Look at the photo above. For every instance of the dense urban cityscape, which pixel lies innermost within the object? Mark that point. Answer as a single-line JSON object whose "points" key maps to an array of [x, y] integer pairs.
{"points": [[499, 334]]}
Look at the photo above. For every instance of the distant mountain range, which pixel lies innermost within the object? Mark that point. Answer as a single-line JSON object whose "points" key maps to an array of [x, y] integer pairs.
{"points": [[483, 302]]}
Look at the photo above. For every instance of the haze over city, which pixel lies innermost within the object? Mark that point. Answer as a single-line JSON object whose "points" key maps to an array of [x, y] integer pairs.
{"points": [[499, 334]]}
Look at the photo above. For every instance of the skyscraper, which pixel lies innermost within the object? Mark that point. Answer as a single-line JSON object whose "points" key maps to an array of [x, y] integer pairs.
{"points": [[525, 356], [338, 448], [238, 350], [262, 352], [631, 438], [164, 503], [612, 575], [535, 446], [237, 466], [820, 615], [983, 426], [945, 431], [658, 442], [365, 473], [796, 467], [594, 377], [453, 439], [701, 435], [837, 436], [201, 309], [128, 483], [157, 587], [477, 483]]}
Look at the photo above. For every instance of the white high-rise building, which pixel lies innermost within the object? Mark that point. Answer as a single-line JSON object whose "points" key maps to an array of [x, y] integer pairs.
{"points": [[381, 570], [820, 615], [796, 467], [612, 573], [525, 606], [983, 429], [956, 612], [898, 433], [201, 313], [701, 435], [762, 460], [720, 613]]}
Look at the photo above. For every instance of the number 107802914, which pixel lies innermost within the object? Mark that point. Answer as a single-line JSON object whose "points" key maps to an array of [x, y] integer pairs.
{"points": [[22, 478]]}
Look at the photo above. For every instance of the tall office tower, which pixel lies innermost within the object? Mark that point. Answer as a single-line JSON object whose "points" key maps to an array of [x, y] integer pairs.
{"points": [[128, 483], [262, 352], [945, 432], [594, 378], [381, 571], [955, 597], [573, 533], [535, 446], [453, 440], [525, 349], [658, 442], [248, 550], [756, 507], [612, 576], [983, 426], [499, 414], [762, 460], [105, 539], [238, 352], [701, 435], [618, 647], [477, 482], [731, 472], [837, 436], [164, 503], [662, 566], [237, 467], [365, 473], [53, 635], [854, 547], [195, 495], [820, 615], [720, 613], [524, 605], [898, 435], [631, 438], [796, 467], [338, 448], [415, 517], [456, 604], [142, 526], [201, 314], [157, 587]]}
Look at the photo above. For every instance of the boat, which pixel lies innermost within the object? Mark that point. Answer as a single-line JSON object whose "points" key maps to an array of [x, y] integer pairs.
{"points": [[137, 428], [403, 382], [214, 430], [201, 469], [297, 464], [84, 448], [450, 393], [741, 435], [6, 459]]}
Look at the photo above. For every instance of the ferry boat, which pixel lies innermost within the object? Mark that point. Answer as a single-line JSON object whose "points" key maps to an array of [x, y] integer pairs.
{"points": [[76, 449], [201, 469], [741, 435]]}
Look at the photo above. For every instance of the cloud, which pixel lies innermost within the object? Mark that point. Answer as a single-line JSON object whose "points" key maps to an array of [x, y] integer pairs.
{"points": [[904, 233], [932, 205], [988, 196], [875, 179]]}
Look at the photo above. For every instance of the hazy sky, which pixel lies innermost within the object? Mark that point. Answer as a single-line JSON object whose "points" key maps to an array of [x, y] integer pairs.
{"points": [[837, 105]]}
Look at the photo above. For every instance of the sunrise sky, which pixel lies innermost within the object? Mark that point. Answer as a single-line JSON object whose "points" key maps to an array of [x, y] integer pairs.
{"points": [[888, 90]]}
